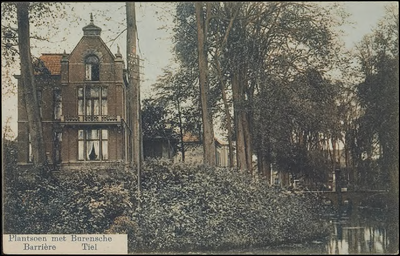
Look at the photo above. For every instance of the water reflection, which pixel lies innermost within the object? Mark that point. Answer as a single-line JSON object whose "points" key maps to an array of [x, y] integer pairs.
{"points": [[352, 239], [356, 235]]}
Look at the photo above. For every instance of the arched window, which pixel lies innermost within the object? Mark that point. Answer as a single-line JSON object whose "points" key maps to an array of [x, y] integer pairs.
{"points": [[92, 68]]}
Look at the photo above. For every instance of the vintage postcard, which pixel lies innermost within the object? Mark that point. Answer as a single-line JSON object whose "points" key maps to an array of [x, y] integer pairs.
{"points": [[200, 127]]}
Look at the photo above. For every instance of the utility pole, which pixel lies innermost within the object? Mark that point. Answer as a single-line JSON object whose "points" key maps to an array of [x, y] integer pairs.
{"points": [[133, 90]]}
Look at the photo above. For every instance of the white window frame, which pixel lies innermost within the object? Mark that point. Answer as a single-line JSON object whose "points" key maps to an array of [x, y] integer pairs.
{"points": [[86, 142]]}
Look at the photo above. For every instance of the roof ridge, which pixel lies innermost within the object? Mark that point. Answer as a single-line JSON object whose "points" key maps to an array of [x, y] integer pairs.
{"points": [[53, 53]]}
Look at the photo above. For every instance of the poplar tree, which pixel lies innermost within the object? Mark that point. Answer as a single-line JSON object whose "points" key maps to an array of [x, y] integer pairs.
{"points": [[28, 84]]}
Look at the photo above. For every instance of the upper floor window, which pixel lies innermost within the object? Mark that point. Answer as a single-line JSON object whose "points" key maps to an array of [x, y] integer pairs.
{"points": [[40, 101], [92, 65], [92, 101], [57, 104]]}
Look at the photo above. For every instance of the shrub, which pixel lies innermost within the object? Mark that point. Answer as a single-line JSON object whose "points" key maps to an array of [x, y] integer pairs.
{"points": [[186, 207], [84, 201], [182, 207]]}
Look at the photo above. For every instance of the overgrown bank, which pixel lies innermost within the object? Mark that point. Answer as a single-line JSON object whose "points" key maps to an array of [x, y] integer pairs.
{"points": [[182, 208]]}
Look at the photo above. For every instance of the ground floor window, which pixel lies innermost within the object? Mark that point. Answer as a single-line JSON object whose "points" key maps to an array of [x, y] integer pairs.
{"points": [[30, 152], [93, 144], [57, 147]]}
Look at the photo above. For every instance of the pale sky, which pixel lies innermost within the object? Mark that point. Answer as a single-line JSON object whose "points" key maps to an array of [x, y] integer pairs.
{"points": [[155, 44], [366, 16]]}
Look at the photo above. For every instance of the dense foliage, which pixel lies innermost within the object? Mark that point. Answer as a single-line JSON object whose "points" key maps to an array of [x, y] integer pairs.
{"points": [[267, 65], [187, 207], [155, 122], [83, 202], [376, 137], [182, 207]]}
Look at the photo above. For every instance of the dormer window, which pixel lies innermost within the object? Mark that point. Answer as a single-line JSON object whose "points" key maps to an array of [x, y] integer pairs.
{"points": [[92, 64]]}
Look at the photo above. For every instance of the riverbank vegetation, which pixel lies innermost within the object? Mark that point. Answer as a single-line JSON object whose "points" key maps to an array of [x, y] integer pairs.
{"points": [[182, 207]]}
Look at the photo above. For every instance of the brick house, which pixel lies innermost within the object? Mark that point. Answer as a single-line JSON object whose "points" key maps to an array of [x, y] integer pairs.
{"points": [[82, 99]]}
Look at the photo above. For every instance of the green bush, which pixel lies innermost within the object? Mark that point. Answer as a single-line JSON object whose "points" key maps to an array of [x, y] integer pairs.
{"points": [[83, 202], [188, 208], [182, 207]]}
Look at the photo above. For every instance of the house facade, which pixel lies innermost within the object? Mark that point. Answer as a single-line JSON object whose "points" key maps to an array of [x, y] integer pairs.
{"points": [[82, 98]]}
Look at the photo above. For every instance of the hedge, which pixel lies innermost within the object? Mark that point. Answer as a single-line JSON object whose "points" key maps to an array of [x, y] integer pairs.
{"points": [[182, 207]]}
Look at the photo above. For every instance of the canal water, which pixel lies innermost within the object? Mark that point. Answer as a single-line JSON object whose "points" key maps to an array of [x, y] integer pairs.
{"points": [[361, 232]]}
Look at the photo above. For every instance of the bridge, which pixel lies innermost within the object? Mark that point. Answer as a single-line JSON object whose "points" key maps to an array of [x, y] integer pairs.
{"points": [[352, 198]]}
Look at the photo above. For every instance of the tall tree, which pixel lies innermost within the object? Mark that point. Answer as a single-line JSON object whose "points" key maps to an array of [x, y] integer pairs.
{"points": [[28, 83], [379, 100], [222, 79], [208, 130], [269, 45], [44, 20], [16, 43], [255, 46], [383, 107], [178, 94]]}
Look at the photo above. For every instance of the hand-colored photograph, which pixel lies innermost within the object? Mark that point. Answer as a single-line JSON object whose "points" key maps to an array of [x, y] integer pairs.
{"points": [[200, 127]]}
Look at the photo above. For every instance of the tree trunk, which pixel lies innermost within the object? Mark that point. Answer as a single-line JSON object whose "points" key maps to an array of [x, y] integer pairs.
{"points": [[242, 123], [29, 87], [335, 178], [181, 131], [208, 132], [227, 114], [133, 90], [240, 140], [247, 120], [264, 157], [247, 141], [264, 166], [228, 125]]}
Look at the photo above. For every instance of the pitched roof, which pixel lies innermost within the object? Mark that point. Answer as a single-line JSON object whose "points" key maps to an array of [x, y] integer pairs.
{"points": [[189, 137], [220, 142], [52, 62]]}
